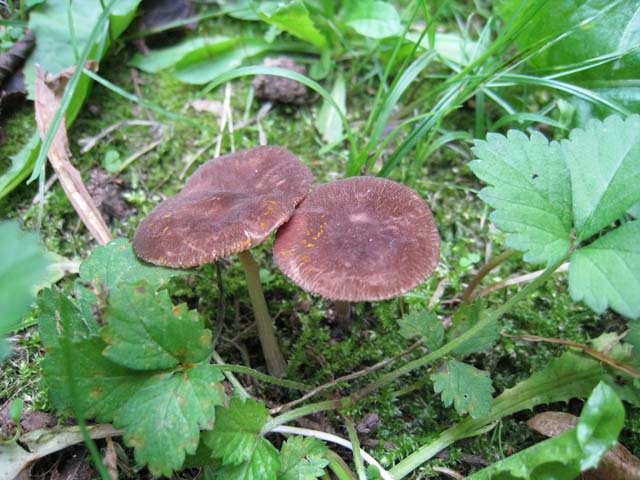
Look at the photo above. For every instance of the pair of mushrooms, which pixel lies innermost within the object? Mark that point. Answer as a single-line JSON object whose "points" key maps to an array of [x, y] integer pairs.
{"points": [[352, 240]]}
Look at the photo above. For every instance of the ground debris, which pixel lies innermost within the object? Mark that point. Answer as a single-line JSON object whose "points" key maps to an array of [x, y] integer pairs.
{"points": [[106, 192], [280, 89]]}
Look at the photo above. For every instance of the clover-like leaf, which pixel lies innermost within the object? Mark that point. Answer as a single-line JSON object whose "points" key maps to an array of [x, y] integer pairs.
{"points": [[163, 419], [425, 325], [262, 464], [468, 388], [530, 191], [302, 458], [606, 273], [604, 160]]}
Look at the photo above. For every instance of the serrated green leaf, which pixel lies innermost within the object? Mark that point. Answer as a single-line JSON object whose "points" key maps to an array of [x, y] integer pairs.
{"points": [[102, 386], [163, 419], [468, 388], [425, 325], [604, 160], [22, 265], [263, 464], [329, 122], [373, 19], [467, 317], [57, 312], [606, 273], [303, 458], [600, 423], [292, 17], [237, 431], [145, 331], [530, 191], [117, 263]]}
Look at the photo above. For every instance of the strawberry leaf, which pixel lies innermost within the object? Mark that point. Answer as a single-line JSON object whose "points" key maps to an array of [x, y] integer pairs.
{"points": [[163, 419], [530, 191], [607, 272], [145, 331], [468, 388], [604, 160], [302, 458], [236, 439], [101, 386]]}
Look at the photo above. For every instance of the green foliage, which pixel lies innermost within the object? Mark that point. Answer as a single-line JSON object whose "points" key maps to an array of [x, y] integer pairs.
{"points": [[587, 30], [373, 19], [200, 60], [542, 192], [293, 17], [425, 325], [302, 458], [565, 456], [329, 121], [50, 20], [22, 265], [122, 353], [145, 331], [468, 388], [237, 441], [474, 317]]}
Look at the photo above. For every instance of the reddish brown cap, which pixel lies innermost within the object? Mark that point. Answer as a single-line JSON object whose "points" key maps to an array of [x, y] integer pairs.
{"points": [[358, 239], [228, 205]]}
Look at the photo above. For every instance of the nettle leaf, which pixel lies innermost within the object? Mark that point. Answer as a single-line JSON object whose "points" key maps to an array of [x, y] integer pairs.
{"points": [[162, 420], [604, 160], [529, 191], [468, 388], [145, 331], [236, 439], [102, 387], [606, 273], [425, 325], [302, 458]]}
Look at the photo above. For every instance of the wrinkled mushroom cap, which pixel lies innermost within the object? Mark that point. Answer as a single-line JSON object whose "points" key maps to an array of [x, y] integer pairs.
{"points": [[228, 205], [359, 239]]}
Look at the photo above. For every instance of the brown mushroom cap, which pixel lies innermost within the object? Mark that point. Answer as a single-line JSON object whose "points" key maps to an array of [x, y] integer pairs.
{"points": [[359, 239], [228, 205]]}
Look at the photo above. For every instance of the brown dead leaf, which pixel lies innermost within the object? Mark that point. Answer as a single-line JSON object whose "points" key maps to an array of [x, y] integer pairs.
{"points": [[209, 106], [46, 104], [618, 463]]}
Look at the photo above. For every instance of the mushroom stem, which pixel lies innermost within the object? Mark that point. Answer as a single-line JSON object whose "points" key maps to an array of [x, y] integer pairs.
{"points": [[343, 312], [272, 354]]}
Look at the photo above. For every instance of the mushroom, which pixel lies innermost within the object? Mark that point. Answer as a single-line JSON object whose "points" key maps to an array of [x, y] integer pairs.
{"points": [[359, 239], [227, 206]]}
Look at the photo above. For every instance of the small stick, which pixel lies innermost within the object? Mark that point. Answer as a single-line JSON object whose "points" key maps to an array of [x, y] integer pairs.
{"points": [[89, 142], [468, 296], [528, 277], [584, 348]]}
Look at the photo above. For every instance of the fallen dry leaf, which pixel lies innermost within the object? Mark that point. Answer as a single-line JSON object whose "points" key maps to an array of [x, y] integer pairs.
{"points": [[617, 464], [46, 105]]}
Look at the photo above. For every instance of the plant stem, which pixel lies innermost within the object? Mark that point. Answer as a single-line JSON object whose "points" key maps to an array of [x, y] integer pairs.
{"points": [[306, 410], [355, 441], [343, 313], [266, 378], [276, 365], [231, 377], [483, 272]]}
